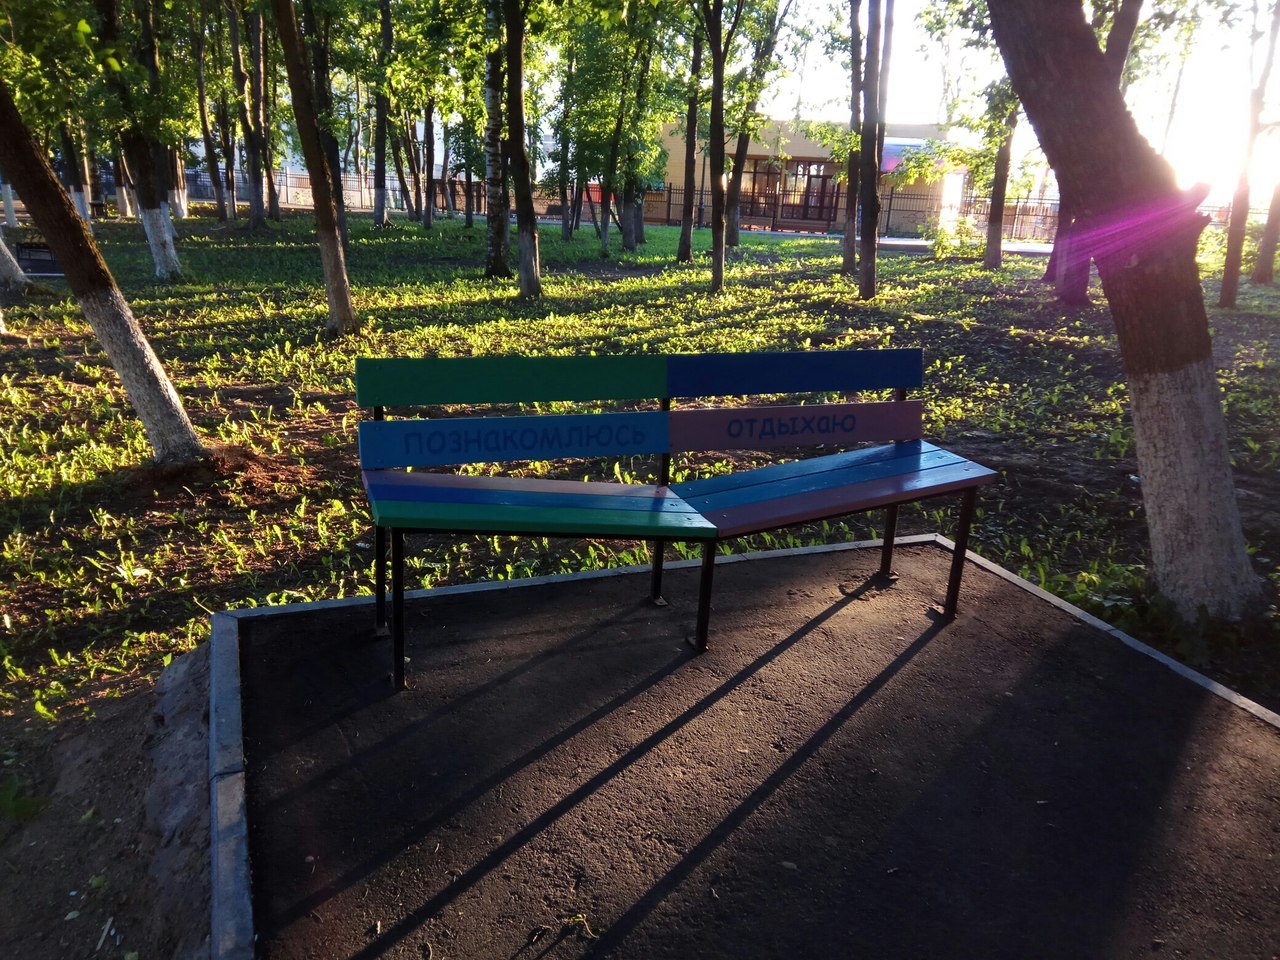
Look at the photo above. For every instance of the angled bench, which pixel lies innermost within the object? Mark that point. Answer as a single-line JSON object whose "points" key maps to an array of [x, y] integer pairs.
{"points": [[397, 456]]}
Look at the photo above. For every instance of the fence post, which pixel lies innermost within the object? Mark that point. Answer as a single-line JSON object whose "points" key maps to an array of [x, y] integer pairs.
{"points": [[700, 203], [888, 215], [667, 221]]}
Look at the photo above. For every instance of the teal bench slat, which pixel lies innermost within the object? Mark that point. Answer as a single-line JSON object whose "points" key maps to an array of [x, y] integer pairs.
{"points": [[425, 489], [423, 381]]}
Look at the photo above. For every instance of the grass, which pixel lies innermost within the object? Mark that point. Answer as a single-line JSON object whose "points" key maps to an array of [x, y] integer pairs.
{"points": [[108, 568]]}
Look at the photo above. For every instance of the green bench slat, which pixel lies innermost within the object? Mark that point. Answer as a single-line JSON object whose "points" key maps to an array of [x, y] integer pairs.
{"points": [[422, 488], [410, 381], [471, 518]]}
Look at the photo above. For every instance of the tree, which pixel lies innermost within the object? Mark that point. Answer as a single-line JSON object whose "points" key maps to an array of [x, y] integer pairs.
{"points": [[514, 14], [382, 101], [342, 315], [684, 251], [494, 161], [871, 150], [1142, 232], [719, 35], [853, 162], [1239, 220], [248, 95], [172, 437]]}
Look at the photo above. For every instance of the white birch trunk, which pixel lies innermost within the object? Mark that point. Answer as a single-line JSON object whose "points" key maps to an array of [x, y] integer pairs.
{"points": [[1188, 492], [11, 274], [166, 213], [81, 201], [168, 428], [124, 202], [10, 214], [159, 231], [178, 204]]}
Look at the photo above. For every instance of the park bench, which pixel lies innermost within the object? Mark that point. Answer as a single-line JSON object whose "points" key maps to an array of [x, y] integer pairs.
{"points": [[34, 256], [406, 494]]}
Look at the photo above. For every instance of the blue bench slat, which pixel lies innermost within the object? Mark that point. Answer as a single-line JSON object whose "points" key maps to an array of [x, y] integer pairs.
{"points": [[743, 374], [432, 443], [647, 498], [780, 471], [819, 476]]}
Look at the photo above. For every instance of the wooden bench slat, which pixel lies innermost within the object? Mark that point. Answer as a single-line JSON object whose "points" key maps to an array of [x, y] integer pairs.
{"points": [[818, 477], [413, 381], [602, 488], [430, 443], [770, 514], [800, 371], [780, 471], [471, 518], [767, 428], [424, 491]]}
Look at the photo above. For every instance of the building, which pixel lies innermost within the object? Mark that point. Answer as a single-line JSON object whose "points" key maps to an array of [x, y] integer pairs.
{"points": [[791, 183]]}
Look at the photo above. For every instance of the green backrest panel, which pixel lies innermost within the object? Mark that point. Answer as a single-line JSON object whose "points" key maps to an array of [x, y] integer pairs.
{"points": [[397, 382]]}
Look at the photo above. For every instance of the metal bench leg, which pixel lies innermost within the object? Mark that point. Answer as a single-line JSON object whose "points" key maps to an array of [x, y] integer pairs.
{"points": [[655, 579], [890, 530], [962, 544], [397, 607], [704, 596], [380, 581]]}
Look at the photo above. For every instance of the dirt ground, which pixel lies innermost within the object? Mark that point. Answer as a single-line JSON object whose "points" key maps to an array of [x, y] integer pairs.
{"points": [[111, 857], [841, 775]]}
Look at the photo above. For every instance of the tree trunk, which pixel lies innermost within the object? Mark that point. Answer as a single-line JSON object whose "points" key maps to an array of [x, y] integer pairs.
{"points": [[318, 44], [607, 181], [1069, 259], [177, 185], [429, 164], [849, 245], [684, 251], [381, 107], [245, 106], [448, 184], [398, 163], [1143, 233], [565, 131], [172, 438], [342, 315], [869, 156], [226, 133], [75, 174], [206, 129], [411, 161], [124, 188], [11, 275], [627, 215], [495, 214], [1264, 271], [269, 101], [991, 258], [530, 270], [733, 193], [469, 217], [10, 213]]}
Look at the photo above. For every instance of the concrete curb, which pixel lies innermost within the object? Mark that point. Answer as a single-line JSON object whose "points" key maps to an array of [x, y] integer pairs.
{"points": [[231, 912]]}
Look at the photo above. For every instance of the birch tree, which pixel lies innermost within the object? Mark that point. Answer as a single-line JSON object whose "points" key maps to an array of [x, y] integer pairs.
{"points": [[1142, 232]]}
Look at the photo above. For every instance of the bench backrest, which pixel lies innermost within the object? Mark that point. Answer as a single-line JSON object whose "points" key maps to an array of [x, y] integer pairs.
{"points": [[397, 382]]}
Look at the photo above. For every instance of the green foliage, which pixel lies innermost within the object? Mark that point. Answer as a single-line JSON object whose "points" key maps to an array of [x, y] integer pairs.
{"points": [[961, 240]]}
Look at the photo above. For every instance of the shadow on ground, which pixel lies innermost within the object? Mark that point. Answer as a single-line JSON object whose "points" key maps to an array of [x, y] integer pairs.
{"points": [[842, 775]]}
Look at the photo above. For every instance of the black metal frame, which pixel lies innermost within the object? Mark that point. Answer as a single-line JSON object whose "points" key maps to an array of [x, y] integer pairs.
{"points": [[709, 550]]}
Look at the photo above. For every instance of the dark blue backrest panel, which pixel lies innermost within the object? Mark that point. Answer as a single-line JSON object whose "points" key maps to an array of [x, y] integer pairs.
{"points": [[742, 374], [429, 443]]}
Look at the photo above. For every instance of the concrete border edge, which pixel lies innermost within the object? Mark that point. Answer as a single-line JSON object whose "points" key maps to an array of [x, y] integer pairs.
{"points": [[1269, 717], [231, 903]]}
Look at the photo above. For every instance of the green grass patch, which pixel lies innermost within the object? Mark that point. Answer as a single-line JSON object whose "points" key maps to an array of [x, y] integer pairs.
{"points": [[107, 567]]}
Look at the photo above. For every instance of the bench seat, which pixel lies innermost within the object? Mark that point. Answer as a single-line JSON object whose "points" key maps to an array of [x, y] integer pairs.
{"points": [[508, 505], [827, 486]]}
